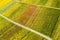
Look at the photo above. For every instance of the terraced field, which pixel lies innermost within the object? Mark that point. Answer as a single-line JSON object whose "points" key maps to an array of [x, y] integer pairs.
{"points": [[29, 20]]}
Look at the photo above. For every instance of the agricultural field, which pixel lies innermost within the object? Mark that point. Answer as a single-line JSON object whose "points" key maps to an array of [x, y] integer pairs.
{"points": [[29, 20]]}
